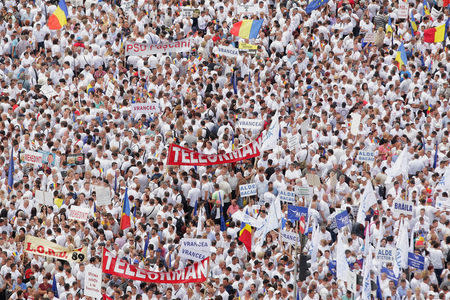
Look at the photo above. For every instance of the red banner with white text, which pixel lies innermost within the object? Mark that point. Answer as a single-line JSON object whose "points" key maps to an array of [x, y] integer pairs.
{"points": [[181, 156], [197, 272]]}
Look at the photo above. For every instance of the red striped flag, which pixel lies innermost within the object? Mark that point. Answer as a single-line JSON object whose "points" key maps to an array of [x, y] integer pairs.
{"points": [[302, 224]]}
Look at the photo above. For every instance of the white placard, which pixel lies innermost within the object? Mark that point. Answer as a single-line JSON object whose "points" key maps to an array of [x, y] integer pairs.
{"points": [[144, 108], [303, 191], [193, 254], [110, 89], [289, 237], [188, 12], [366, 156], [385, 255], [226, 51], [402, 11], [247, 9], [202, 245], [247, 190], [103, 195], [369, 38], [93, 282], [48, 91], [435, 13], [402, 207], [356, 120], [31, 157], [79, 213], [293, 142], [287, 196], [250, 124], [44, 198]]}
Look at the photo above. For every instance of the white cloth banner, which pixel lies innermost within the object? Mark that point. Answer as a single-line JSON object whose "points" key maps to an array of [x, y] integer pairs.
{"points": [[270, 137], [400, 166], [93, 282], [367, 200], [38, 246], [226, 51], [247, 190], [289, 237], [79, 213], [143, 49], [31, 157]]}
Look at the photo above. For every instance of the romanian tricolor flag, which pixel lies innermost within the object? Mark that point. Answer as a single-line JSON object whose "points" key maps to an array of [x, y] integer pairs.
{"points": [[245, 236], [59, 17], [426, 8], [413, 25], [247, 29], [436, 34], [401, 58], [389, 26], [125, 220]]}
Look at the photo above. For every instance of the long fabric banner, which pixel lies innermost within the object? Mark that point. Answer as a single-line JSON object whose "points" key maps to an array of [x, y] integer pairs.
{"points": [[143, 49], [181, 156], [43, 247], [197, 272]]}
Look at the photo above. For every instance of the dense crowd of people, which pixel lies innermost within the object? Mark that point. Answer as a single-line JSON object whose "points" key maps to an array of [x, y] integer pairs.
{"points": [[317, 72]]}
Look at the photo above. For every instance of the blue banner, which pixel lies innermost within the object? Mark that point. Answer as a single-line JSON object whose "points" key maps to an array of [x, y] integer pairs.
{"points": [[390, 274], [416, 261], [342, 219], [295, 212]]}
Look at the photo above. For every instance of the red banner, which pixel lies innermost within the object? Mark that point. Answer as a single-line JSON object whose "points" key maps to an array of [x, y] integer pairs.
{"points": [[197, 272], [181, 156]]}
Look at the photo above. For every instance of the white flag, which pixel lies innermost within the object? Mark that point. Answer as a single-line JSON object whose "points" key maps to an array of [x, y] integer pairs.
{"points": [[341, 261], [314, 243], [270, 138], [367, 200], [400, 166], [272, 220], [366, 287], [403, 245]]}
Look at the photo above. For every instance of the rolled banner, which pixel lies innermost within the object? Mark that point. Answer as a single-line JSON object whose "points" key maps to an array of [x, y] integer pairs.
{"points": [[43, 247]]}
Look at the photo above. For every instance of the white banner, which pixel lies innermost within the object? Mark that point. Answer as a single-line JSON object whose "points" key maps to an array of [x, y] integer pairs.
{"points": [[44, 198], [93, 282], [402, 207], [203, 245], [366, 156], [38, 246], [287, 196], [289, 237], [78, 213], [144, 108], [247, 190], [192, 254], [227, 51], [385, 255], [102, 195], [31, 157], [143, 49]]}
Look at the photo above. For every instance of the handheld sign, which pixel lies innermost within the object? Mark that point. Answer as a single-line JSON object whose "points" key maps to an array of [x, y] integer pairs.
{"points": [[342, 219], [384, 254], [247, 190], [402, 207], [366, 156], [289, 237], [416, 261], [295, 212], [287, 196]]}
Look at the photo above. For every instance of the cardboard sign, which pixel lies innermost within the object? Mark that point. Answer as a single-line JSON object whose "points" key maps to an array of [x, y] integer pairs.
{"points": [[416, 261], [287, 196], [295, 212], [289, 237], [226, 51], [103, 195], [79, 213], [366, 156], [402, 207], [93, 282], [385, 255], [144, 108], [402, 11], [247, 190], [293, 142]]}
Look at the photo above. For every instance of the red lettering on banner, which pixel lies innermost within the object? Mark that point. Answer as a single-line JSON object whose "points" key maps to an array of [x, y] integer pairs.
{"points": [[143, 47], [136, 47], [184, 44], [40, 249], [177, 44], [193, 159], [129, 47], [29, 247]]}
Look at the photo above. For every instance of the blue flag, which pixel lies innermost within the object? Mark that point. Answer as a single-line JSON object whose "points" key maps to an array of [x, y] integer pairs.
{"points": [[195, 208], [295, 212], [390, 274], [115, 183], [234, 79], [147, 240], [11, 171], [315, 4], [435, 157], [223, 227], [342, 219], [379, 293], [55, 288]]}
